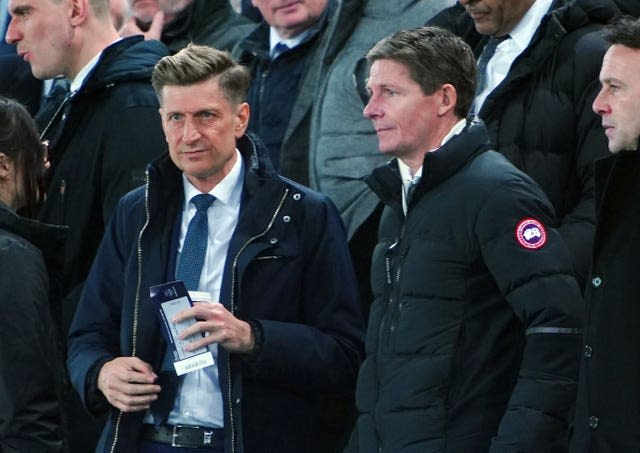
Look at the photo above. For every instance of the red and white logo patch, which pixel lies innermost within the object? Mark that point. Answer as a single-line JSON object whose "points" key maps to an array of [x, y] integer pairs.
{"points": [[530, 234]]}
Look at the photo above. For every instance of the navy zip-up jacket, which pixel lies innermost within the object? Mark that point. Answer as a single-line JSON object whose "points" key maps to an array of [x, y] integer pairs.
{"points": [[288, 270]]}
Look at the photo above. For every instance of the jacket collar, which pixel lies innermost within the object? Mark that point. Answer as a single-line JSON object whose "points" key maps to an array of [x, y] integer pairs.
{"points": [[438, 165], [128, 59], [164, 181], [607, 171]]}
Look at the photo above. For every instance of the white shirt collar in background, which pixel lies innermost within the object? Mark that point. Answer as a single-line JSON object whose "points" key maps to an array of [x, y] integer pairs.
{"points": [[275, 39]]}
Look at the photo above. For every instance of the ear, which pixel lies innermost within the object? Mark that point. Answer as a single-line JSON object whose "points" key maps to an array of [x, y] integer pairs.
{"points": [[449, 99], [79, 12], [6, 167], [242, 119]]}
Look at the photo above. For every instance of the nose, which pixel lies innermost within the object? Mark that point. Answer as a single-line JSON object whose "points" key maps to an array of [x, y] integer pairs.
{"points": [[12, 36], [371, 110], [600, 106], [190, 133]]}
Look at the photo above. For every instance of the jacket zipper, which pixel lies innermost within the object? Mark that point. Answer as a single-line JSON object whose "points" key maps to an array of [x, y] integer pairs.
{"points": [[54, 117], [136, 305], [232, 306], [393, 293], [63, 189]]}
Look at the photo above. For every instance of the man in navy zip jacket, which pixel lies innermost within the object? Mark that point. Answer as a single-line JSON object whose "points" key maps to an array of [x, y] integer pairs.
{"points": [[287, 330]]}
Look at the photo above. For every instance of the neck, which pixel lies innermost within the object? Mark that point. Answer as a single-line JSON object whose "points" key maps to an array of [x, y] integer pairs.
{"points": [[92, 40]]}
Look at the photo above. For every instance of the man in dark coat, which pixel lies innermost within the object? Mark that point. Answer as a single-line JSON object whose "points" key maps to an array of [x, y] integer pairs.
{"points": [[101, 136], [608, 407], [287, 330], [473, 337], [536, 102], [285, 81]]}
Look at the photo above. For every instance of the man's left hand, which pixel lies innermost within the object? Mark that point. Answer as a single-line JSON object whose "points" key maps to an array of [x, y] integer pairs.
{"points": [[221, 326]]}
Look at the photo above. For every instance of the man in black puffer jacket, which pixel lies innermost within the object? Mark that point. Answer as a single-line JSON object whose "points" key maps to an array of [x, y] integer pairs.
{"points": [[474, 334], [537, 101]]}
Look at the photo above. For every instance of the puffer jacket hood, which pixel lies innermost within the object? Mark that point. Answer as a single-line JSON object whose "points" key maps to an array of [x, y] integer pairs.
{"points": [[130, 61]]}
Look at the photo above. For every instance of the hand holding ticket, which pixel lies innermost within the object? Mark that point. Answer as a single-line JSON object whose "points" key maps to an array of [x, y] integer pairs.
{"points": [[172, 298]]}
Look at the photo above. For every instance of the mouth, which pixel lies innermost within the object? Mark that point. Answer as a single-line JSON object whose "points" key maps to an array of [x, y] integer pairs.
{"points": [[288, 5], [24, 55], [192, 152], [477, 15]]}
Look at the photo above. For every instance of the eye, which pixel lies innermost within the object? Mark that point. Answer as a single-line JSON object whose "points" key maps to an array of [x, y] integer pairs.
{"points": [[389, 92], [175, 117], [21, 11]]}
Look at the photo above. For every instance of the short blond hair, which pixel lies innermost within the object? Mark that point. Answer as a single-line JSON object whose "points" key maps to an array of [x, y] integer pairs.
{"points": [[195, 64]]}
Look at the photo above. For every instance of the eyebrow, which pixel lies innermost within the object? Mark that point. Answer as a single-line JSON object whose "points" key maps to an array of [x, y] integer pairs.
{"points": [[613, 80], [19, 9]]}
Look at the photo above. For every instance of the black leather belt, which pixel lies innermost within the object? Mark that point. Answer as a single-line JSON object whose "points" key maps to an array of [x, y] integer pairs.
{"points": [[184, 436]]}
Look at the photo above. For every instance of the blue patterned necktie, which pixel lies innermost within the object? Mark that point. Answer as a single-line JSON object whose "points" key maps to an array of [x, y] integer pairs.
{"points": [[195, 244]]}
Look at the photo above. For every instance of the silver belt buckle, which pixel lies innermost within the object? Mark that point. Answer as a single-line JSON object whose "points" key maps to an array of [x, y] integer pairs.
{"points": [[174, 436], [207, 438]]}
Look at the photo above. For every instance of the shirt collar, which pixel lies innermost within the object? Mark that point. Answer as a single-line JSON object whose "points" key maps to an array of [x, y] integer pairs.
{"points": [[228, 191], [525, 29], [275, 39]]}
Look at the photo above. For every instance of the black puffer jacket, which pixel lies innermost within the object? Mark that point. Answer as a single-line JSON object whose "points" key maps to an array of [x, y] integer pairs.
{"points": [[31, 367], [100, 144], [540, 116], [473, 339]]}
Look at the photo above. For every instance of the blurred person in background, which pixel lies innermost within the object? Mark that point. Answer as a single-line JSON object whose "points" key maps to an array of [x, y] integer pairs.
{"points": [[31, 367], [179, 22], [102, 133]]}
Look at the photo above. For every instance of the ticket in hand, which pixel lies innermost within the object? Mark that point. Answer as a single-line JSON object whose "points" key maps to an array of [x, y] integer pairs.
{"points": [[171, 298]]}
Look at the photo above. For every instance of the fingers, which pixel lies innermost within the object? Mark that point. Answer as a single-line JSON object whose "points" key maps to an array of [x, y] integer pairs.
{"points": [[128, 383], [155, 30], [231, 333], [130, 28]]}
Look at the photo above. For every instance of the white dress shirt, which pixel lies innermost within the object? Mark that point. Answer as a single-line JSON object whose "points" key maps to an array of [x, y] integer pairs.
{"points": [[509, 49], [199, 399]]}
